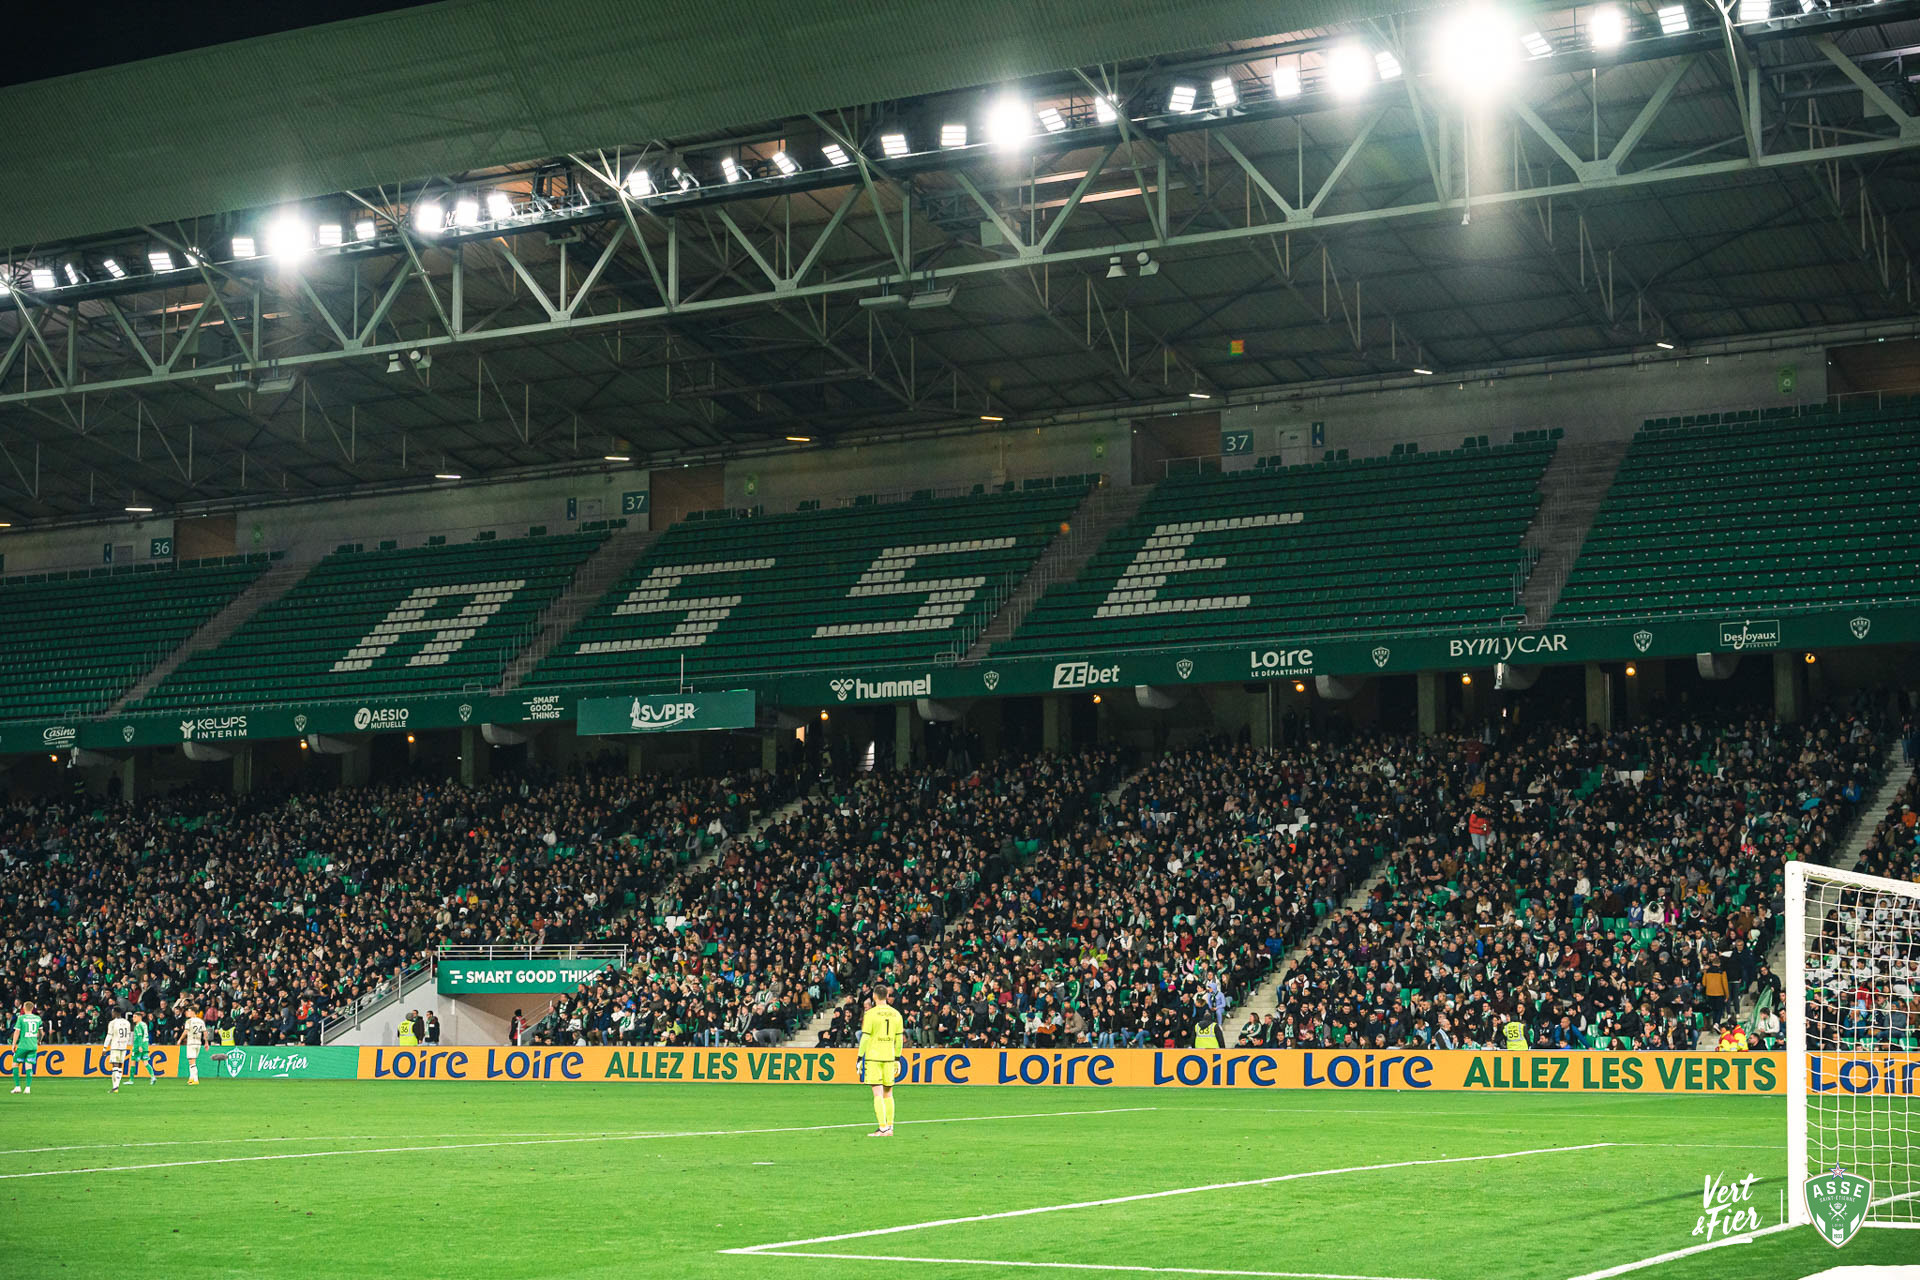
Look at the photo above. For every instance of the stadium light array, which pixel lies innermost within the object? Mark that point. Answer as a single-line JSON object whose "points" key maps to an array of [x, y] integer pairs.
{"points": [[73, 273], [1478, 51], [1051, 120], [1755, 10], [1286, 82], [786, 164], [730, 168], [1349, 71], [1389, 66], [466, 211], [160, 260], [640, 183], [1180, 100], [43, 278], [1607, 28], [1225, 94], [684, 179], [331, 234], [499, 206], [893, 145], [1009, 123], [364, 229], [1537, 45], [114, 269], [429, 217], [836, 154], [1104, 109], [1673, 20]]}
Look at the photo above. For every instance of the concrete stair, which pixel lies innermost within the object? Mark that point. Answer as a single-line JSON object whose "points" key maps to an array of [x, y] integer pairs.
{"points": [[1265, 998], [1571, 490], [1103, 510], [263, 591], [590, 581]]}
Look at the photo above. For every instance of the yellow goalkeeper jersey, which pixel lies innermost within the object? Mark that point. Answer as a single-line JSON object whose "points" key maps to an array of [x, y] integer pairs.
{"points": [[880, 1034]]}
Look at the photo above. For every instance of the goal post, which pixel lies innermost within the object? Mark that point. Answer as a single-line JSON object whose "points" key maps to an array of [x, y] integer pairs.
{"points": [[1853, 1061]]}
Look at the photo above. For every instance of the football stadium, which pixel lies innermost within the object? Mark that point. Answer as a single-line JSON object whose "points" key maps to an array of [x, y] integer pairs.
{"points": [[806, 641]]}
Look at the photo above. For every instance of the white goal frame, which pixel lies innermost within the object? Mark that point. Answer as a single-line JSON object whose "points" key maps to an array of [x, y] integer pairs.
{"points": [[1798, 876]]}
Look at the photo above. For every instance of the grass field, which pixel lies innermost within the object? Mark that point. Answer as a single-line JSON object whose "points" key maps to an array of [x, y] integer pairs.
{"points": [[493, 1181]]}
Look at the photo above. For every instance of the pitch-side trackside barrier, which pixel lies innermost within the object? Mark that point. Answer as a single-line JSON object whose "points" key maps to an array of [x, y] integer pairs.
{"points": [[1893, 1074]]}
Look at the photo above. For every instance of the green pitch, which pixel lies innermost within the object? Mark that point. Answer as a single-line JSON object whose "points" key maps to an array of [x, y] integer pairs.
{"points": [[514, 1180]]}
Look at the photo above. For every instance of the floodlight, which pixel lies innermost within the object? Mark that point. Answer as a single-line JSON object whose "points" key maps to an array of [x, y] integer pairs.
{"points": [[160, 260], [446, 475], [1423, 371], [786, 164], [1607, 28], [1755, 10], [73, 273], [1104, 109], [140, 511], [1537, 45], [683, 180], [1349, 70], [1664, 345], [1477, 51], [835, 153], [1388, 64], [466, 211], [429, 217], [499, 206], [1286, 82], [289, 237], [953, 135], [364, 229], [1180, 101], [893, 145], [1673, 20], [730, 168], [619, 457], [1052, 120], [1224, 94], [43, 278], [1198, 395], [639, 183], [115, 270], [1009, 123], [331, 234]]}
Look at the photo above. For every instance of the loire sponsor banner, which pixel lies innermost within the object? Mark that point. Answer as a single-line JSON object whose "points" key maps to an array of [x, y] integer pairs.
{"points": [[1317, 1069], [667, 713], [469, 976]]}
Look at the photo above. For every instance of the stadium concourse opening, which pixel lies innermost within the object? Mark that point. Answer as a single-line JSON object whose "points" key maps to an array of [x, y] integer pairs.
{"points": [[1176, 641]]}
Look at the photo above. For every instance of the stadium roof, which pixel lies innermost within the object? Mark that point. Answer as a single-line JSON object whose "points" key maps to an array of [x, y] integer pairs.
{"points": [[521, 300]]}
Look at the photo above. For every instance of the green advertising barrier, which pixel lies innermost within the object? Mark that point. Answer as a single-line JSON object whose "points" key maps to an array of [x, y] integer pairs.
{"points": [[260, 1062], [667, 713], [1276, 657], [471, 977]]}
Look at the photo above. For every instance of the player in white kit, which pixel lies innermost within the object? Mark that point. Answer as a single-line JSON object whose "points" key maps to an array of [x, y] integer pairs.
{"points": [[191, 1038], [119, 1047]]}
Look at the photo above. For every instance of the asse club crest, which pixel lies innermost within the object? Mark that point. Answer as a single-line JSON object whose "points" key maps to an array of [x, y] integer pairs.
{"points": [[1838, 1202]]}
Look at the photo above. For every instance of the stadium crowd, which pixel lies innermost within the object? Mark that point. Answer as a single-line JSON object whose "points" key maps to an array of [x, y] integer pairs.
{"points": [[1863, 966], [1598, 889], [281, 911]]}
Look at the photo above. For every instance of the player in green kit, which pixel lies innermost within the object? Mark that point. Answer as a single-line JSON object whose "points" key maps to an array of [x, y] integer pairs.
{"points": [[25, 1044], [142, 1050]]}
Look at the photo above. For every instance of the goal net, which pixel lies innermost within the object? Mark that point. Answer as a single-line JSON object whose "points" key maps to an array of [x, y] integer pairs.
{"points": [[1852, 977]]}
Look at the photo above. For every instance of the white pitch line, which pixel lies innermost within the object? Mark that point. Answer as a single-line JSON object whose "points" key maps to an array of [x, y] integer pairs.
{"points": [[1081, 1266], [1625, 1267], [333, 1137], [1160, 1195], [548, 1142]]}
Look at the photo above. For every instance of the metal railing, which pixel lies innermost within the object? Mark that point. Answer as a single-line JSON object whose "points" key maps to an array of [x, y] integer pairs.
{"points": [[388, 992], [531, 951]]}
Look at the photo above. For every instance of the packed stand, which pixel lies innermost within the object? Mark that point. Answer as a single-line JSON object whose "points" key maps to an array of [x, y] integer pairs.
{"points": [[281, 912], [1863, 962], [749, 949], [1591, 889]]}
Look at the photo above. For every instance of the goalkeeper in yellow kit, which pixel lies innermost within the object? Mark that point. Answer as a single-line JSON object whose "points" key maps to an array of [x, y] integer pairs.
{"points": [[880, 1038]]}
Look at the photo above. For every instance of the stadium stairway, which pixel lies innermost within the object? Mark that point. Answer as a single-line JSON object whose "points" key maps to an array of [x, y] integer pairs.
{"points": [[265, 589], [1571, 491], [1894, 776], [1265, 998], [1104, 509], [590, 581]]}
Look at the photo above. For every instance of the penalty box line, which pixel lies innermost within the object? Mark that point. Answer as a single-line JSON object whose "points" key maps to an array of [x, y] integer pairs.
{"points": [[776, 1248], [547, 1142], [1076, 1266]]}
